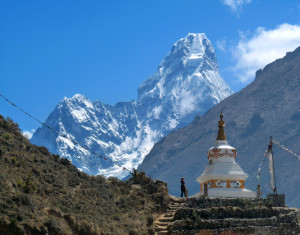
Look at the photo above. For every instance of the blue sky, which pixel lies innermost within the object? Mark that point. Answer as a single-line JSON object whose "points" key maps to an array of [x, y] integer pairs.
{"points": [[106, 49]]}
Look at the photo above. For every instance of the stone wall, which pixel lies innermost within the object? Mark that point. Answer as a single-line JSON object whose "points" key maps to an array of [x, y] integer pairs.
{"points": [[207, 202], [277, 199], [234, 215]]}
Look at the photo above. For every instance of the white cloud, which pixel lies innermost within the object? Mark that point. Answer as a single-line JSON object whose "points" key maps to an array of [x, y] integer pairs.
{"points": [[235, 5], [262, 48], [28, 134], [221, 44], [187, 102]]}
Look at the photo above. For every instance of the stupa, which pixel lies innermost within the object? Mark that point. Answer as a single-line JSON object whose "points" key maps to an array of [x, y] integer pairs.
{"points": [[223, 177]]}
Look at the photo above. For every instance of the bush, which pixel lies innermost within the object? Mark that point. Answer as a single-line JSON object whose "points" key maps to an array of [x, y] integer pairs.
{"points": [[6, 136], [23, 199], [150, 221], [13, 160], [65, 161], [43, 150], [27, 185], [9, 125], [53, 227]]}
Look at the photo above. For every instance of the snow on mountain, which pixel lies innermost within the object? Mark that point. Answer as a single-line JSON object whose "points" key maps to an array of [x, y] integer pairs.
{"points": [[187, 83]]}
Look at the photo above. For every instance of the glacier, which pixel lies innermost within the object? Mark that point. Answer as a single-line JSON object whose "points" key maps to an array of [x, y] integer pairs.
{"points": [[186, 84]]}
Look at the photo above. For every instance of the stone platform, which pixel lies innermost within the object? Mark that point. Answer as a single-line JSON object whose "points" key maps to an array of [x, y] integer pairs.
{"points": [[204, 215]]}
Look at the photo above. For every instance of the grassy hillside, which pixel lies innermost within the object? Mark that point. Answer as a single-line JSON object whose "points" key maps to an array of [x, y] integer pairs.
{"points": [[41, 193]]}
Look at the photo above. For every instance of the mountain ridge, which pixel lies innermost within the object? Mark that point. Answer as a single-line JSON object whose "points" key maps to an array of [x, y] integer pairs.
{"points": [[186, 83]]}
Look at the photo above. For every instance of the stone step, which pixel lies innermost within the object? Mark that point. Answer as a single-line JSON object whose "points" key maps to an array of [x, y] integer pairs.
{"points": [[168, 215], [162, 224], [162, 232], [165, 220], [170, 211], [174, 209], [160, 229], [177, 199]]}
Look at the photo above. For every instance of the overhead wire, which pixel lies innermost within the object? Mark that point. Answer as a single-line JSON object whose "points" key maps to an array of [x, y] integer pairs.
{"points": [[63, 135], [97, 154], [286, 149]]}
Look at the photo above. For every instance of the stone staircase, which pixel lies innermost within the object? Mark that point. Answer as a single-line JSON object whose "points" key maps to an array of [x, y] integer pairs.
{"points": [[164, 220]]}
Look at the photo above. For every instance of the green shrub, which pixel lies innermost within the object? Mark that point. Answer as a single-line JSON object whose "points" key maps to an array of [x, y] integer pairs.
{"points": [[12, 126], [43, 150], [13, 160], [150, 221], [6, 136], [53, 227], [27, 185]]}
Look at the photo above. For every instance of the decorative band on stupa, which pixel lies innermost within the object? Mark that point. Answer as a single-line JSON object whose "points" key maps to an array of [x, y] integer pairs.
{"points": [[216, 152]]}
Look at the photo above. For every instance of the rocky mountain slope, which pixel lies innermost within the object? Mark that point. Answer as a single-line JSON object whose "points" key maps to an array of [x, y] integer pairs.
{"points": [[41, 193], [269, 106], [187, 83]]}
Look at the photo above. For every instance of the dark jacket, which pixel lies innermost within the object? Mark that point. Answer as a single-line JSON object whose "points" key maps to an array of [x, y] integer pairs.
{"points": [[182, 184]]}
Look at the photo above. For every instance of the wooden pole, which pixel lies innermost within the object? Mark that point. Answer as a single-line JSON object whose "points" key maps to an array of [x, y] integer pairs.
{"points": [[271, 141]]}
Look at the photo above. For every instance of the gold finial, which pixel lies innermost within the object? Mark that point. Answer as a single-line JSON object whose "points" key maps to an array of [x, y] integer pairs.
{"points": [[221, 132]]}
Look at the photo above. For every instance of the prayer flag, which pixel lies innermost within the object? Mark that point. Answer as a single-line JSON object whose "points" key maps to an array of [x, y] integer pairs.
{"points": [[271, 165]]}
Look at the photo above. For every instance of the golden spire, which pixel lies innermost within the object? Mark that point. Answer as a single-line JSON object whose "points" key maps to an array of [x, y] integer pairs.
{"points": [[221, 132]]}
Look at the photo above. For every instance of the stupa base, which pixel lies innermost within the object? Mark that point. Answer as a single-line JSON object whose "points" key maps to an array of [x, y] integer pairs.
{"points": [[232, 193]]}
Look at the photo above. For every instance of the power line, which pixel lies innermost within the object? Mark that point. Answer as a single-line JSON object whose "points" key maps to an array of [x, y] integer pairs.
{"points": [[63, 135]]}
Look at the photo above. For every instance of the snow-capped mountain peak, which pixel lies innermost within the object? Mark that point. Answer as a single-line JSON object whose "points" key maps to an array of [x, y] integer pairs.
{"points": [[192, 45], [187, 83], [186, 58]]}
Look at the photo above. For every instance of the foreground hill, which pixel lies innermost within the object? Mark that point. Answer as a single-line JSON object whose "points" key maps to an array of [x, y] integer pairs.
{"points": [[269, 106], [41, 193]]}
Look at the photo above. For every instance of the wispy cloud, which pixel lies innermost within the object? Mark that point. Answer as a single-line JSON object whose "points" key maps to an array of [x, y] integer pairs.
{"points": [[262, 48], [28, 134], [235, 5], [222, 44]]}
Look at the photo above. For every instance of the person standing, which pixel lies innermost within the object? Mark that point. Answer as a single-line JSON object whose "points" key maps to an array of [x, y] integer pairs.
{"points": [[183, 188]]}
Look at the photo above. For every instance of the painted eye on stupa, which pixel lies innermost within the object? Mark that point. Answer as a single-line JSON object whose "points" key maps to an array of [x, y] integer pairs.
{"points": [[235, 184], [221, 184]]}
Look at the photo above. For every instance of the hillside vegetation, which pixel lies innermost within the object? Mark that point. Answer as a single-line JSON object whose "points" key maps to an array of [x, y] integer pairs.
{"points": [[42, 193]]}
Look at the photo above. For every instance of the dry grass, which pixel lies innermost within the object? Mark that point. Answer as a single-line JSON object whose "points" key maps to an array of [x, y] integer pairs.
{"points": [[41, 193]]}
